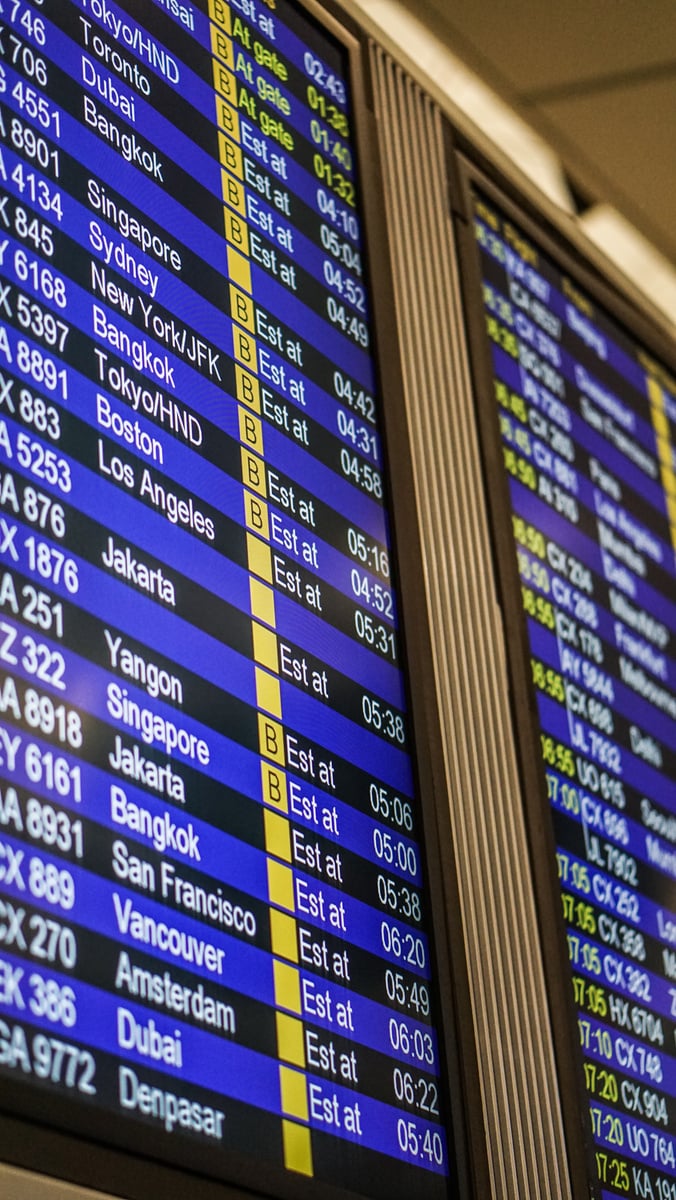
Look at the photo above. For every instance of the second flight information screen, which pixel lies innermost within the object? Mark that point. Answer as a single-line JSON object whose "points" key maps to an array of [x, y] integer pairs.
{"points": [[587, 421], [212, 911]]}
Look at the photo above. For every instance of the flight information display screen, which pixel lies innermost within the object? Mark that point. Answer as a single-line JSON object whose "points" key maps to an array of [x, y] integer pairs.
{"points": [[587, 421], [213, 921]]}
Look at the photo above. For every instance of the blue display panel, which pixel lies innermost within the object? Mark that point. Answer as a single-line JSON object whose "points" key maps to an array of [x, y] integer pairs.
{"points": [[212, 915], [587, 420]]}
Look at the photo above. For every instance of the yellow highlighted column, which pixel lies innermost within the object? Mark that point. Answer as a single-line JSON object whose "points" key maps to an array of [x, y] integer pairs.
{"points": [[665, 450], [297, 1148], [296, 1136]]}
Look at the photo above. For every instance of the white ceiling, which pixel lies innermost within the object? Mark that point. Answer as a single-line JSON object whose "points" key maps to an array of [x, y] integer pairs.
{"points": [[596, 78]]}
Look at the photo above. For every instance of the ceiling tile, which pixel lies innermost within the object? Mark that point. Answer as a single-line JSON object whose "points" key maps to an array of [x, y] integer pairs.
{"points": [[624, 141], [529, 45]]}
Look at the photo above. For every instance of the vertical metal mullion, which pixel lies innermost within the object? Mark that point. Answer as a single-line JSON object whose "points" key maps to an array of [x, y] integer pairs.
{"points": [[519, 1088]]}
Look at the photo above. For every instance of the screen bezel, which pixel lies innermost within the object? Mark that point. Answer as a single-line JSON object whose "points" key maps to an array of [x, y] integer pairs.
{"points": [[470, 173], [48, 1133]]}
